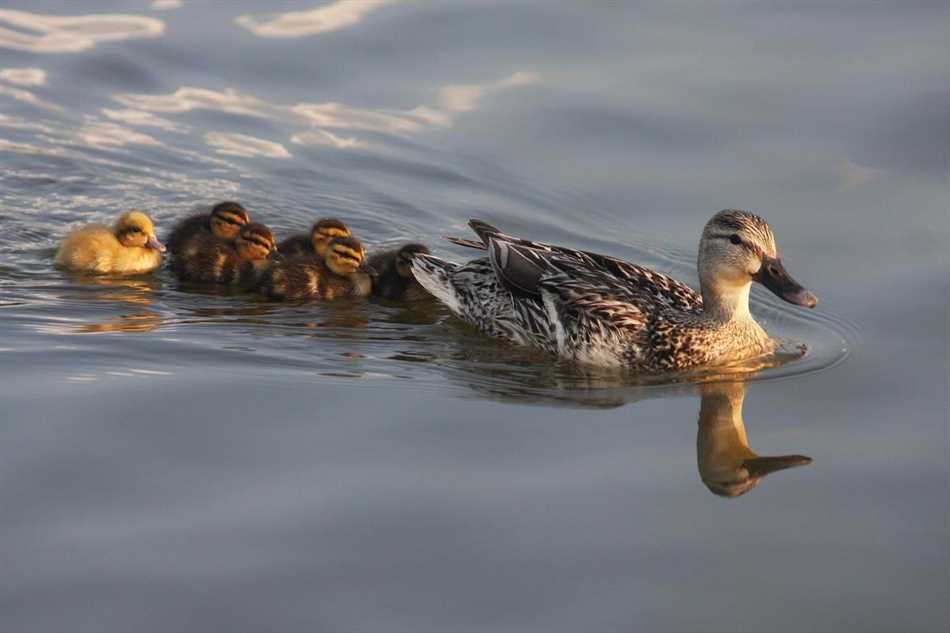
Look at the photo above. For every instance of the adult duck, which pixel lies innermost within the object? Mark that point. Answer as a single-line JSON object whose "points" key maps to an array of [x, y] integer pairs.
{"points": [[600, 310]]}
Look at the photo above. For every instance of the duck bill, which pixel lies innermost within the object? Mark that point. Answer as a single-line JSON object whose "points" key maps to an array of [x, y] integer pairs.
{"points": [[773, 276], [762, 466], [154, 243]]}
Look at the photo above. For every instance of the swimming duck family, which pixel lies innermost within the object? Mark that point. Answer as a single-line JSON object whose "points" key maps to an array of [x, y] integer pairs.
{"points": [[587, 307], [601, 310], [129, 247]]}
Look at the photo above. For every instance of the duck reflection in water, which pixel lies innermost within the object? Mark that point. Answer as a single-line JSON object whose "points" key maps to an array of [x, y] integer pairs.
{"points": [[727, 465]]}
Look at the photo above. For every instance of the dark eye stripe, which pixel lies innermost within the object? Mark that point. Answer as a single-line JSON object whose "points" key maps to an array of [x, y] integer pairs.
{"points": [[231, 219], [743, 243], [259, 241]]}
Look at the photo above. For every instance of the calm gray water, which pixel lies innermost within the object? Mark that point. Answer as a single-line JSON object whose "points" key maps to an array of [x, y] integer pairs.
{"points": [[177, 459]]}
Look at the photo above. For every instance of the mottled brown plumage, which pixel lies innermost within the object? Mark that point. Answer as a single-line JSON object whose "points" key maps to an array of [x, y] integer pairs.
{"points": [[600, 310]]}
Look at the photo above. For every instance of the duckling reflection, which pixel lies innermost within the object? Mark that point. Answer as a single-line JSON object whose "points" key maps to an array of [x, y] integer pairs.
{"points": [[727, 465], [132, 296]]}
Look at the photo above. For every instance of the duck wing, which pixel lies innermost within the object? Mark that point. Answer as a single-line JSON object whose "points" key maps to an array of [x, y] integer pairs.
{"points": [[521, 263]]}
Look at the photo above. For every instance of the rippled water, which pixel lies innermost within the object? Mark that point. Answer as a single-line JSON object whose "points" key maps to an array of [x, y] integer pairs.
{"points": [[179, 458]]}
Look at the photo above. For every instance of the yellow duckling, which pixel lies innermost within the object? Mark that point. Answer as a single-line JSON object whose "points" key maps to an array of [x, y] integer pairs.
{"points": [[317, 241], [393, 277], [342, 273], [224, 221], [128, 248], [240, 264]]}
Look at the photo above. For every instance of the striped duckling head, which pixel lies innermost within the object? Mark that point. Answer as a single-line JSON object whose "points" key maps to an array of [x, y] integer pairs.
{"points": [[326, 230], [255, 241], [345, 256], [404, 258], [227, 218], [135, 228]]}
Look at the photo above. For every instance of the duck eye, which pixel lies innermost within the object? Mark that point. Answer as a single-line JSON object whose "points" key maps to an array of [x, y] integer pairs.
{"points": [[735, 239]]}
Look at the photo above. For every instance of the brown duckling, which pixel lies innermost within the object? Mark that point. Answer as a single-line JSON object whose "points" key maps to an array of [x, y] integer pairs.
{"points": [[317, 241], [342, 273], [224, 221], [128, 248], [393, 277], [239, 264]]}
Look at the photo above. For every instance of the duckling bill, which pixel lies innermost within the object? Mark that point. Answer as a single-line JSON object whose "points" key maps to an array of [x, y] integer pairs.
{"points": [[342, 273], [129, 247]]}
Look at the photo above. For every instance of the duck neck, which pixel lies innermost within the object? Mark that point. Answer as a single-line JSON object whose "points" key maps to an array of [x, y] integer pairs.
{"points": [[726, 303]]}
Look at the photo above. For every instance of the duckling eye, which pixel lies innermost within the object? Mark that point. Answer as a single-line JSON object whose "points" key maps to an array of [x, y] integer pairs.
{"points": [[735, 239], [134, 229]]}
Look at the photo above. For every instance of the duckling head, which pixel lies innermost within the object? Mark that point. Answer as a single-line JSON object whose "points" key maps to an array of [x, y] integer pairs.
{"points": [[345, 256], [737, 248], [324, 231], [404, 258], [255, 241], [227, 218], [136, 229]]}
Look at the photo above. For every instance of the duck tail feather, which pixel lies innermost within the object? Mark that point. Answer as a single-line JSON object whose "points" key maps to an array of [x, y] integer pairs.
{"points": [[435, 275], [461, 241], [484, 231]]}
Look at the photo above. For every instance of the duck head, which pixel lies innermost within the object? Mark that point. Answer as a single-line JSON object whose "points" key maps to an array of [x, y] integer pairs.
{"points": [[737, 248], [345, 256], [324, 231], [404, 258], [255, 241], [227, 218], [136, 229]]}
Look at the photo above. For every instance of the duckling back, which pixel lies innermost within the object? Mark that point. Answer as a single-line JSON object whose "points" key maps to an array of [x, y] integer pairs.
{"points": [[392, 277], [307, 279], [298, 245]]}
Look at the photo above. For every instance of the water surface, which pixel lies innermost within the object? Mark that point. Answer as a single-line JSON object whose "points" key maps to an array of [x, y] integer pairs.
{"points": [[179, 458]]}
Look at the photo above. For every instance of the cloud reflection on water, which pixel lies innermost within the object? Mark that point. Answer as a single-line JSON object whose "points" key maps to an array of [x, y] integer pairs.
{"points": [[146, 119], [245, 146], [37, 33], [332, 17], [452, 99], [24, 76]]}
